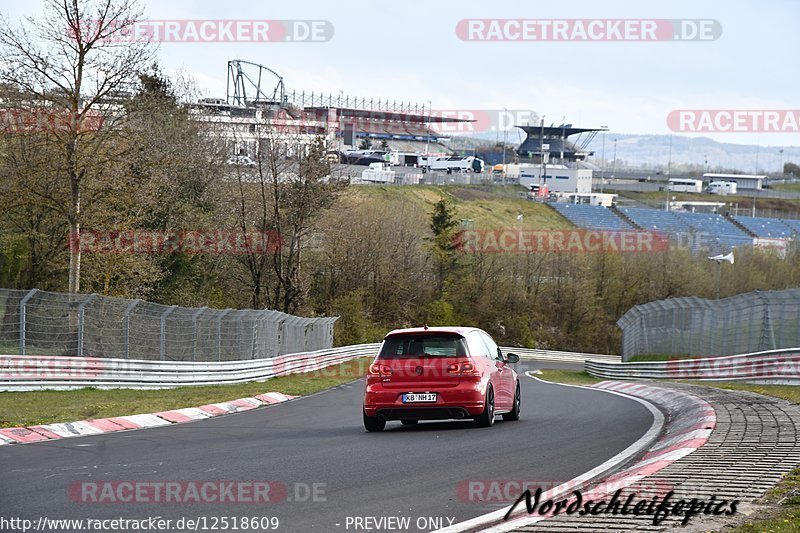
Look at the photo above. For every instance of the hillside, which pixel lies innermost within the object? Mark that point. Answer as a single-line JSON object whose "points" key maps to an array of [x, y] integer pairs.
{"points": [[487, 207]]}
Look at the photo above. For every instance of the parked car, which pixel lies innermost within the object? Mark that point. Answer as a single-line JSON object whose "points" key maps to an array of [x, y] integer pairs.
{"points": [[440, 373], [241, 160]]}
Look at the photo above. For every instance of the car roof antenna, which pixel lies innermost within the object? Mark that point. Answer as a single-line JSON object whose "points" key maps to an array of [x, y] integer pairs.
{"points": [[425, 326]]}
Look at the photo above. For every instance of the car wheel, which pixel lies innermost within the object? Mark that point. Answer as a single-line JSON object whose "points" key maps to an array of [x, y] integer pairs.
{"points": [[372, 423], [486, 418], [514, 414], [409, 422]]}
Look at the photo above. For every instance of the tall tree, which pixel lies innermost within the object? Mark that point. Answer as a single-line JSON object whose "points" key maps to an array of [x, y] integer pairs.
{"points": [[443, 225], [73, 63]]}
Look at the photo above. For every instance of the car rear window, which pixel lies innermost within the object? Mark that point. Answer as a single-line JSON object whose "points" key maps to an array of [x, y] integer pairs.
{"points": [[423, 345]]}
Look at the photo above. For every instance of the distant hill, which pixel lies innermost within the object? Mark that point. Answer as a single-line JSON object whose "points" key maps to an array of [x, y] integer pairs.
{"points": [[652, 151], [688, 153]]}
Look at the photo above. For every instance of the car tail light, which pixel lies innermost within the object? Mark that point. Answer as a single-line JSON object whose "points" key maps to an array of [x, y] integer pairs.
{"points": [[461, 368], [380, 370]]}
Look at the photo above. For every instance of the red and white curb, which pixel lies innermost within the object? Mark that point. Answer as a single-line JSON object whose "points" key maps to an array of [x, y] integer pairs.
{"points": [[691, 421], [45, 432]]}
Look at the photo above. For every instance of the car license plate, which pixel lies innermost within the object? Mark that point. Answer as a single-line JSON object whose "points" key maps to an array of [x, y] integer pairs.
{"points": [[419, 397]]}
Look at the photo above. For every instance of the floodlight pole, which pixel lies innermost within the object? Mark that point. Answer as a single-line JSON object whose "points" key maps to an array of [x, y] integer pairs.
{"points": [[669, 168], [541, 154], [603, 170], [505, 134]]}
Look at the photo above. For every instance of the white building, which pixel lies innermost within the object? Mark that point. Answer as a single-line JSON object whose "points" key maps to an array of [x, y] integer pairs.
{"points": [[558, 178], [743, 181]]}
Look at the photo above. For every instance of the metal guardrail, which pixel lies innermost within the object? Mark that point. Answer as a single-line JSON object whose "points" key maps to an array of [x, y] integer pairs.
{"points": [[773, 366], [25, 373], [562, 357]]}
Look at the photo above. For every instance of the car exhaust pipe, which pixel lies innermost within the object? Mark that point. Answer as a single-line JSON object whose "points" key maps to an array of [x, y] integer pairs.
{"points": [[382, 417], [459, 414]]}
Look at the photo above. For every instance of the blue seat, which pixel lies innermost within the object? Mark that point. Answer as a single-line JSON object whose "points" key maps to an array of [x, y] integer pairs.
{"points": [[768, 227], [591, 216], [655, 219]]}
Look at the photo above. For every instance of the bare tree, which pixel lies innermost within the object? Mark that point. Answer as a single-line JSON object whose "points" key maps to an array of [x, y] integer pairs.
{"points": [[283, 195], [74, 63]]}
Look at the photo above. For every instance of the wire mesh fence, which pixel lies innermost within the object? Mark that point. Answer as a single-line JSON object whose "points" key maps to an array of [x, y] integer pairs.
{"points": [[47, 323], [746, 323]]}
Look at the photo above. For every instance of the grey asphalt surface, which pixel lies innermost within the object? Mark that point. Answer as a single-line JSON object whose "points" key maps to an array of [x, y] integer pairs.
{"points": [[404, 471]]}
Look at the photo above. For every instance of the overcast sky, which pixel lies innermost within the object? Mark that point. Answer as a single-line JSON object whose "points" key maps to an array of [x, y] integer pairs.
{"points": [[410, 50]]}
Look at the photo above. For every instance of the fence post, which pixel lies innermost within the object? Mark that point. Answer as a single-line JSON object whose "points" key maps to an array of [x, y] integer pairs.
{"points": [[257, 322], [280, 336], [195, 316], [81, 313], [127, 326], [164, 316], [769, 331], [22, 305], [219, 333]]}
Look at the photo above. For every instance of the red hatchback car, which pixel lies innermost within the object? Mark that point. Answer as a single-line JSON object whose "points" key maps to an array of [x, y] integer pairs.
{"points": [[440, 373]]}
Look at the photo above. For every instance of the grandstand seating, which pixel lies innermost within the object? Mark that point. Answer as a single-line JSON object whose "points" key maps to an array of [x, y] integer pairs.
{"points": [[711, 224], [591, 216], [769, 227], [654, 219], [794, 224], [707, 232]]}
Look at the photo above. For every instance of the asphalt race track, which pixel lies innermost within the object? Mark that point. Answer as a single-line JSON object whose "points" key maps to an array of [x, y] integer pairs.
{"points": [[318, 443]]}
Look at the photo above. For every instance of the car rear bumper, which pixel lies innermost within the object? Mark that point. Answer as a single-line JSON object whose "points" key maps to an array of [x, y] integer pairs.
{"points": [[464, 401]]}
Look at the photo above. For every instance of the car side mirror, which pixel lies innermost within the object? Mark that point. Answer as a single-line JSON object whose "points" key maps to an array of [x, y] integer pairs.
{"points": [[512, 358]]}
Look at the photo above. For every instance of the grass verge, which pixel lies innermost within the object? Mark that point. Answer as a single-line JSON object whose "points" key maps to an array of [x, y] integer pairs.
{"points": [[788, 187], [570, 377], [47, 407]]}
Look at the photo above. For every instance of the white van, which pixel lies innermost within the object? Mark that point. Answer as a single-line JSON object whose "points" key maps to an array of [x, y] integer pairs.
{"points": [[721, 187]]}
